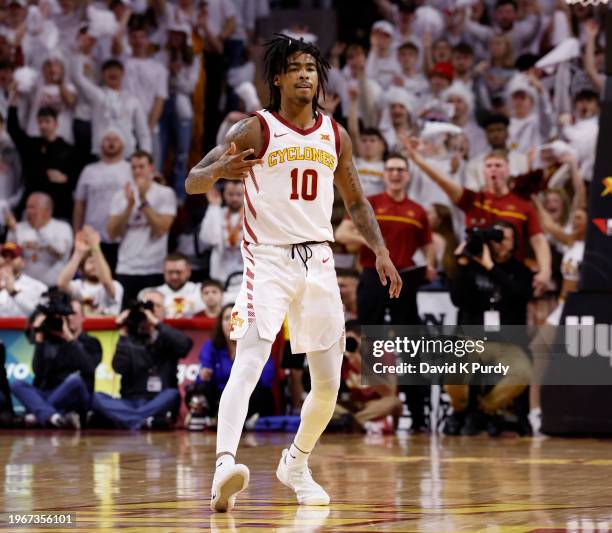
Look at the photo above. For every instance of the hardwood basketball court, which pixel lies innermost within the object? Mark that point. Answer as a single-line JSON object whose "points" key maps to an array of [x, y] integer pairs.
{"points": [[161, 481]]}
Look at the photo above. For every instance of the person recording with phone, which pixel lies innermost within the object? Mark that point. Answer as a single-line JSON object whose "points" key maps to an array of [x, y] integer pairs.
{"points": [[64, 364], [146, 357]]}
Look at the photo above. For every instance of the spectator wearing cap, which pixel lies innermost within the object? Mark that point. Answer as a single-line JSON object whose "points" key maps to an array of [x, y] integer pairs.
{"points": [[49, 163], [221, 229], [113, 107], [522, 32], [382, 64], [95, 288], [177, 115], [440, 79], [53, 90], [531, 113], [46, 241], [496, 202], [181, 297], [496, 130], [146, 79], [96, 188], [11, 183], [462, 100], [141, 215], [396, 121], [410, 78], [19, 293], [405, 227]]}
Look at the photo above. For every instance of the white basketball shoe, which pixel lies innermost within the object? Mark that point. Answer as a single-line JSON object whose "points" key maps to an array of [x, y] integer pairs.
{"points": [[229, 481], [299, 479]]}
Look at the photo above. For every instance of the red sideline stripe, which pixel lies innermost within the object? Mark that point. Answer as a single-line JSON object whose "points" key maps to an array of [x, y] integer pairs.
{"points": [[254, 179], [252, 262], [249, 285], [248, 201], [250, 231], [249, 296], [249, 273], [266, 132], [249, 305], [336, 136]]}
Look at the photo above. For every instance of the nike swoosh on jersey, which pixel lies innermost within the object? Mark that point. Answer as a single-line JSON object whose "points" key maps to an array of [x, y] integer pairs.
{"points": [[281, 135], [326, 260]]}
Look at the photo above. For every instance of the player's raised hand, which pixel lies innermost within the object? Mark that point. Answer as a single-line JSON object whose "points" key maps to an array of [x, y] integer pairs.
{"points": [[386, 269], [234, 165]]}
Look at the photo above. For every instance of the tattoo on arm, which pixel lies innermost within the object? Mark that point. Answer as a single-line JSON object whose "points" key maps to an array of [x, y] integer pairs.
{"points": [[362, 213]]}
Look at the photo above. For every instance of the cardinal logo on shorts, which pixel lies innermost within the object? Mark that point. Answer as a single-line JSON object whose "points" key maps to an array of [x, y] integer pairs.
{"points": [[236, 321]]}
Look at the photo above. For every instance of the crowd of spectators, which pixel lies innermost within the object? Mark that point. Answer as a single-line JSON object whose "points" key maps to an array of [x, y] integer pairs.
{"points": [[464, 115]]}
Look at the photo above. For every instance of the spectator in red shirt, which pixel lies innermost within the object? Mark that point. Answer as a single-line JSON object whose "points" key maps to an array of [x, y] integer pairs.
{"points": [[496, 202], [405, 227]]}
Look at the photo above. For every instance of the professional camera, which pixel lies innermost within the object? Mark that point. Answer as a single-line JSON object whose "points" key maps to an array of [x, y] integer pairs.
{"points": [[477, 237], [137, 319], [55, 306]]}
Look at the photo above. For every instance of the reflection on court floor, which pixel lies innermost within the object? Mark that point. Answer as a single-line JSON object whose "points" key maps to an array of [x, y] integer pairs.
{"points": [[161, 482]]}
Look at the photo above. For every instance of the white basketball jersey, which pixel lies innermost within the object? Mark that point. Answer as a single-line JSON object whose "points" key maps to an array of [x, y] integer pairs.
{"points": [[289, 198]]}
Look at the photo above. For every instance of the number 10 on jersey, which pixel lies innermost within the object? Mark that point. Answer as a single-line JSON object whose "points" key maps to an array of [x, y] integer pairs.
{"points": [[308, 187]]}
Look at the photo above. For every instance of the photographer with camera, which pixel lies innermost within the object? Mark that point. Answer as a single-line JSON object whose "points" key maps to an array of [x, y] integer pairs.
{"points": [[496, 202], [146, 357], [492, 288], [64, 364]]}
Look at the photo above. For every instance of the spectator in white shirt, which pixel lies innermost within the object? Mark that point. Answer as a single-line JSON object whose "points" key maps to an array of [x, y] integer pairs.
{"points": [[410, 78], [531, 113], [222, 230], [112, 106], [181, 297], [141, 215], [95, 288], [147, 80], [382, 64], [97, 185], [11, 183], [56, 91], [462, 100], [397, 121], [19, 293], [46, 242]]}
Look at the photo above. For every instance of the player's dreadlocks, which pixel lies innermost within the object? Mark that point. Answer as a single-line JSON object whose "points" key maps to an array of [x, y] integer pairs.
{"points": [[278, 51]]}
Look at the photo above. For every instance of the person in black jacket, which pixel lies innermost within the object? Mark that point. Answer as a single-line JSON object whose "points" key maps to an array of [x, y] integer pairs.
{"points": [[496, 281], [492, 290], [64, 365], [49, 163], [146, 357]]}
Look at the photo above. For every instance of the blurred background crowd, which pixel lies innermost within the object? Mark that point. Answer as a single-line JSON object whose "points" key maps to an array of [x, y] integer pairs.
{"points": [[473, 124]]}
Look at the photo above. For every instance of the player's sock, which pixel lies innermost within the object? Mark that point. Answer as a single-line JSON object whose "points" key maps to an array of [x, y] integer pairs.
{"points": [[251, 356], [225, 460], [296, 456]]}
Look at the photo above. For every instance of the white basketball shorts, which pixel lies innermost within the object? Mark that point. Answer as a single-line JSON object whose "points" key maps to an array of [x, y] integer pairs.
{"points": [[276, 284]]}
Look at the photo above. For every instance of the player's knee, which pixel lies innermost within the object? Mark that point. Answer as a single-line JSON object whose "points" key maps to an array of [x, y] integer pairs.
{"points": [[326, 389]]}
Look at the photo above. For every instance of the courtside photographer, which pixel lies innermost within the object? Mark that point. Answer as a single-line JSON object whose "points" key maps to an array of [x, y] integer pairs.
{"points": [[492, 289], [64, 364], [146, 357]]}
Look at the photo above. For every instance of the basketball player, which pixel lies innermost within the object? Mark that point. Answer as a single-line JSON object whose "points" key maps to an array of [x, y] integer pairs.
{"points": [[288, 265]]}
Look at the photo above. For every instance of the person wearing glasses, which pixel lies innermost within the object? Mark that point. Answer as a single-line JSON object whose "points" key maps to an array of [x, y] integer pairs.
{"points": [[405, 228]]}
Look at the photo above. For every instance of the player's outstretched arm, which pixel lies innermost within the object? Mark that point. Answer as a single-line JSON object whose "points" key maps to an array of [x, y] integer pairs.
{"points": [[362, 214], [228, 160]]}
